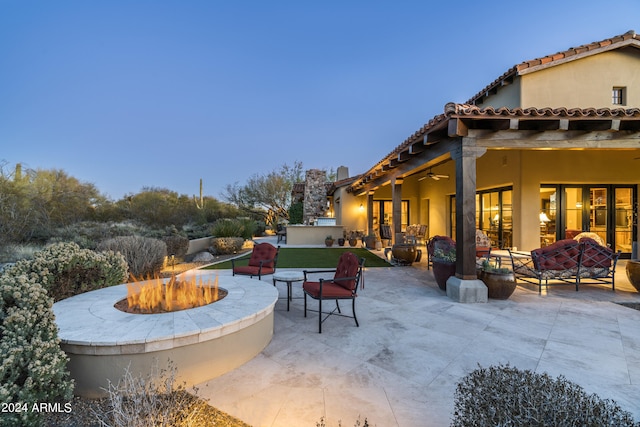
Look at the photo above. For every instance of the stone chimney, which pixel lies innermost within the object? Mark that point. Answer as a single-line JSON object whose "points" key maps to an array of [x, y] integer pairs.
{"points": [[315, 195]]}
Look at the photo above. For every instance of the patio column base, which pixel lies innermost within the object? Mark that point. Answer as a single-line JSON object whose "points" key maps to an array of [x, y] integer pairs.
{"points": [[466, 291]]}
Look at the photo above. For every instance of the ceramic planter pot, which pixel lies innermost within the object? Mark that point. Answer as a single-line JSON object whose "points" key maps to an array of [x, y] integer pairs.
{"points": [[442, 271], [341, 242], [370, 242], [499, 285], [633, 273], [328, 242], [405, 253], [353, 242]]}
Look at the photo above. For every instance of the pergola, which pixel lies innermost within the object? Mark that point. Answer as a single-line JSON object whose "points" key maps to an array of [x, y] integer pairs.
{"points": [[465, 132]]}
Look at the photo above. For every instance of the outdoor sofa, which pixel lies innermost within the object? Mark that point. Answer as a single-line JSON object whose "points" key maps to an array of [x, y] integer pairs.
{"points": [[570, 261]]}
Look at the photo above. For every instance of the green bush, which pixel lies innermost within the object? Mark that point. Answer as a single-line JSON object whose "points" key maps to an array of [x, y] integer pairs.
{"points": [[249, 227], [241, 227], [296, 213], [32, 367], [505, 396], [64, 269], [145, 256]]}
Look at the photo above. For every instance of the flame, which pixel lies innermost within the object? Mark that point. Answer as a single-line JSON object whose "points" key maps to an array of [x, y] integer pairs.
{"points": [[155, 296]]}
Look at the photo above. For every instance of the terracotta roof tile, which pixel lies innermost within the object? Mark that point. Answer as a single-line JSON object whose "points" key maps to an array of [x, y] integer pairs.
{"points": [[453, 110], [470, 109]]}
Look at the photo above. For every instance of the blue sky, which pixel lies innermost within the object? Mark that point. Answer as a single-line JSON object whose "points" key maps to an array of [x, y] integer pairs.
{"points": [[133, 94]]}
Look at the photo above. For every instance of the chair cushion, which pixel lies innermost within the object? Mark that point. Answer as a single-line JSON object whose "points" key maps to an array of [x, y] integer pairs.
{"points": [[249, 270], [595, 255], [347, 267], [261, 252], [561, 255], [329, 290]]}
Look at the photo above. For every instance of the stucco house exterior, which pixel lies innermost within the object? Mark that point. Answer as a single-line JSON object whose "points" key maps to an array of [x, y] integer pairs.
{"points": [[548, 149]]}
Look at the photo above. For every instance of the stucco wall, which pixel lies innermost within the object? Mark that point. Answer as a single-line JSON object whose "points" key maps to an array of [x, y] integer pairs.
{"points": [[585, 82], [525, 171]]}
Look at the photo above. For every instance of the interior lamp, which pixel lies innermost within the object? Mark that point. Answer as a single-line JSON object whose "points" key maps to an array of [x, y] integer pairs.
{"points": [[544, 218]]}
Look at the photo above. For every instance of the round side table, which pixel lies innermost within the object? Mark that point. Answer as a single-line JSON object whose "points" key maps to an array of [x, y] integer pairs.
{"points": [[288, 277]]}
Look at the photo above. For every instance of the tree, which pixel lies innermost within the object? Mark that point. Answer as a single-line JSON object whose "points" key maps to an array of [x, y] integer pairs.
{"points": [[267, 196], [33, 202]]}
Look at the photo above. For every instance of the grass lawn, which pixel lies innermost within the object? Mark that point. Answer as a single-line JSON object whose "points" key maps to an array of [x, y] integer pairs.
{"points": [[314, 258]]}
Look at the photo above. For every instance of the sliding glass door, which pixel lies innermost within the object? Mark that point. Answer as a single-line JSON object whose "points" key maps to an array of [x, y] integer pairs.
{"points": [[606, 210]]}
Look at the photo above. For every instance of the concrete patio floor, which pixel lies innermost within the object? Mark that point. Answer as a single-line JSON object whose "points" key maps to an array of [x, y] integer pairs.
{"points": [[414, 344]]}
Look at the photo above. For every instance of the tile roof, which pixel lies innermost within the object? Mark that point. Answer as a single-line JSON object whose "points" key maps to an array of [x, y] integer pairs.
{"points": [[460, 110], [465, 110], [468, 109], [453, 110], [628, 38]]}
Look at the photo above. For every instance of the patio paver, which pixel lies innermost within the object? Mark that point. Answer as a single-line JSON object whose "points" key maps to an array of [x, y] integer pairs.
{"points": [[401, 366]]}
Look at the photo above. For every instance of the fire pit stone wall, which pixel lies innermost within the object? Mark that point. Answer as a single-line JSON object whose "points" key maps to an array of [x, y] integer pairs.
{"points": [[202, 343]]}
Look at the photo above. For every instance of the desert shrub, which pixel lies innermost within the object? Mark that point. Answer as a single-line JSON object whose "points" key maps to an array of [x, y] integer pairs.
{"points": [[157, 400], [226, 245], [505, 396], [17, 252], [145, 256], [249, 227], [176, 245], [227, 228], [32, 365], [65, 269], [88, 234], [197, 231]]}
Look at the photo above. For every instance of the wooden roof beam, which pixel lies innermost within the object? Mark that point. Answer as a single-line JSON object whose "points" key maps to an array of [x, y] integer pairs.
{"points": [[457, 128], [416, 148], [403, 156]]}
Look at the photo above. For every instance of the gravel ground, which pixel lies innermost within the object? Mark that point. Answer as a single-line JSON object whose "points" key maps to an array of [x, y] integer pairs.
{"points": [[84, 413]]}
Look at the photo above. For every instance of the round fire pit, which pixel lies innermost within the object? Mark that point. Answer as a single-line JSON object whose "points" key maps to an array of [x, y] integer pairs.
{"points": [[202, 342]]}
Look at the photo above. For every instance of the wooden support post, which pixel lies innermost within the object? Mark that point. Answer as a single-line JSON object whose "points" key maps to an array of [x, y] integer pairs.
{"points": [[465, 157], [396, 203]]}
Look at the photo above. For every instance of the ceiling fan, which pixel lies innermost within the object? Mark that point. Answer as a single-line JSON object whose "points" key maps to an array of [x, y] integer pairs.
{"points": [[434, 176]]}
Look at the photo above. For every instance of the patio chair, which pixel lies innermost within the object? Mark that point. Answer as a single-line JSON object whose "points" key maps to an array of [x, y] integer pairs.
{"points": [[281, 232], [421, 235], [262, 262], [483, 248], [343, 285], [385, 233]]}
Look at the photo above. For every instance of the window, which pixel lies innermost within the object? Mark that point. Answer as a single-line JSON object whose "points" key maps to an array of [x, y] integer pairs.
{"points": [[494, 215], [618, 96]]}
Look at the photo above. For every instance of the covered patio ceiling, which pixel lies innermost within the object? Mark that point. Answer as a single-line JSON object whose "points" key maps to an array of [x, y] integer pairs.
{"points": [[503, 128]]}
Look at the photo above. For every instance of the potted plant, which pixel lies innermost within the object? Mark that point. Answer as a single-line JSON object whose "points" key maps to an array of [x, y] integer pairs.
{"points": [[353, 238], [633, 273], [328, 241], [370, 240], [444, 262], [500, 282]]}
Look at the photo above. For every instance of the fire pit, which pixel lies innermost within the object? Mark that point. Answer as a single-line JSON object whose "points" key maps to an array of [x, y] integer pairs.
{"points": [[202, 342], [162, 296]]}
